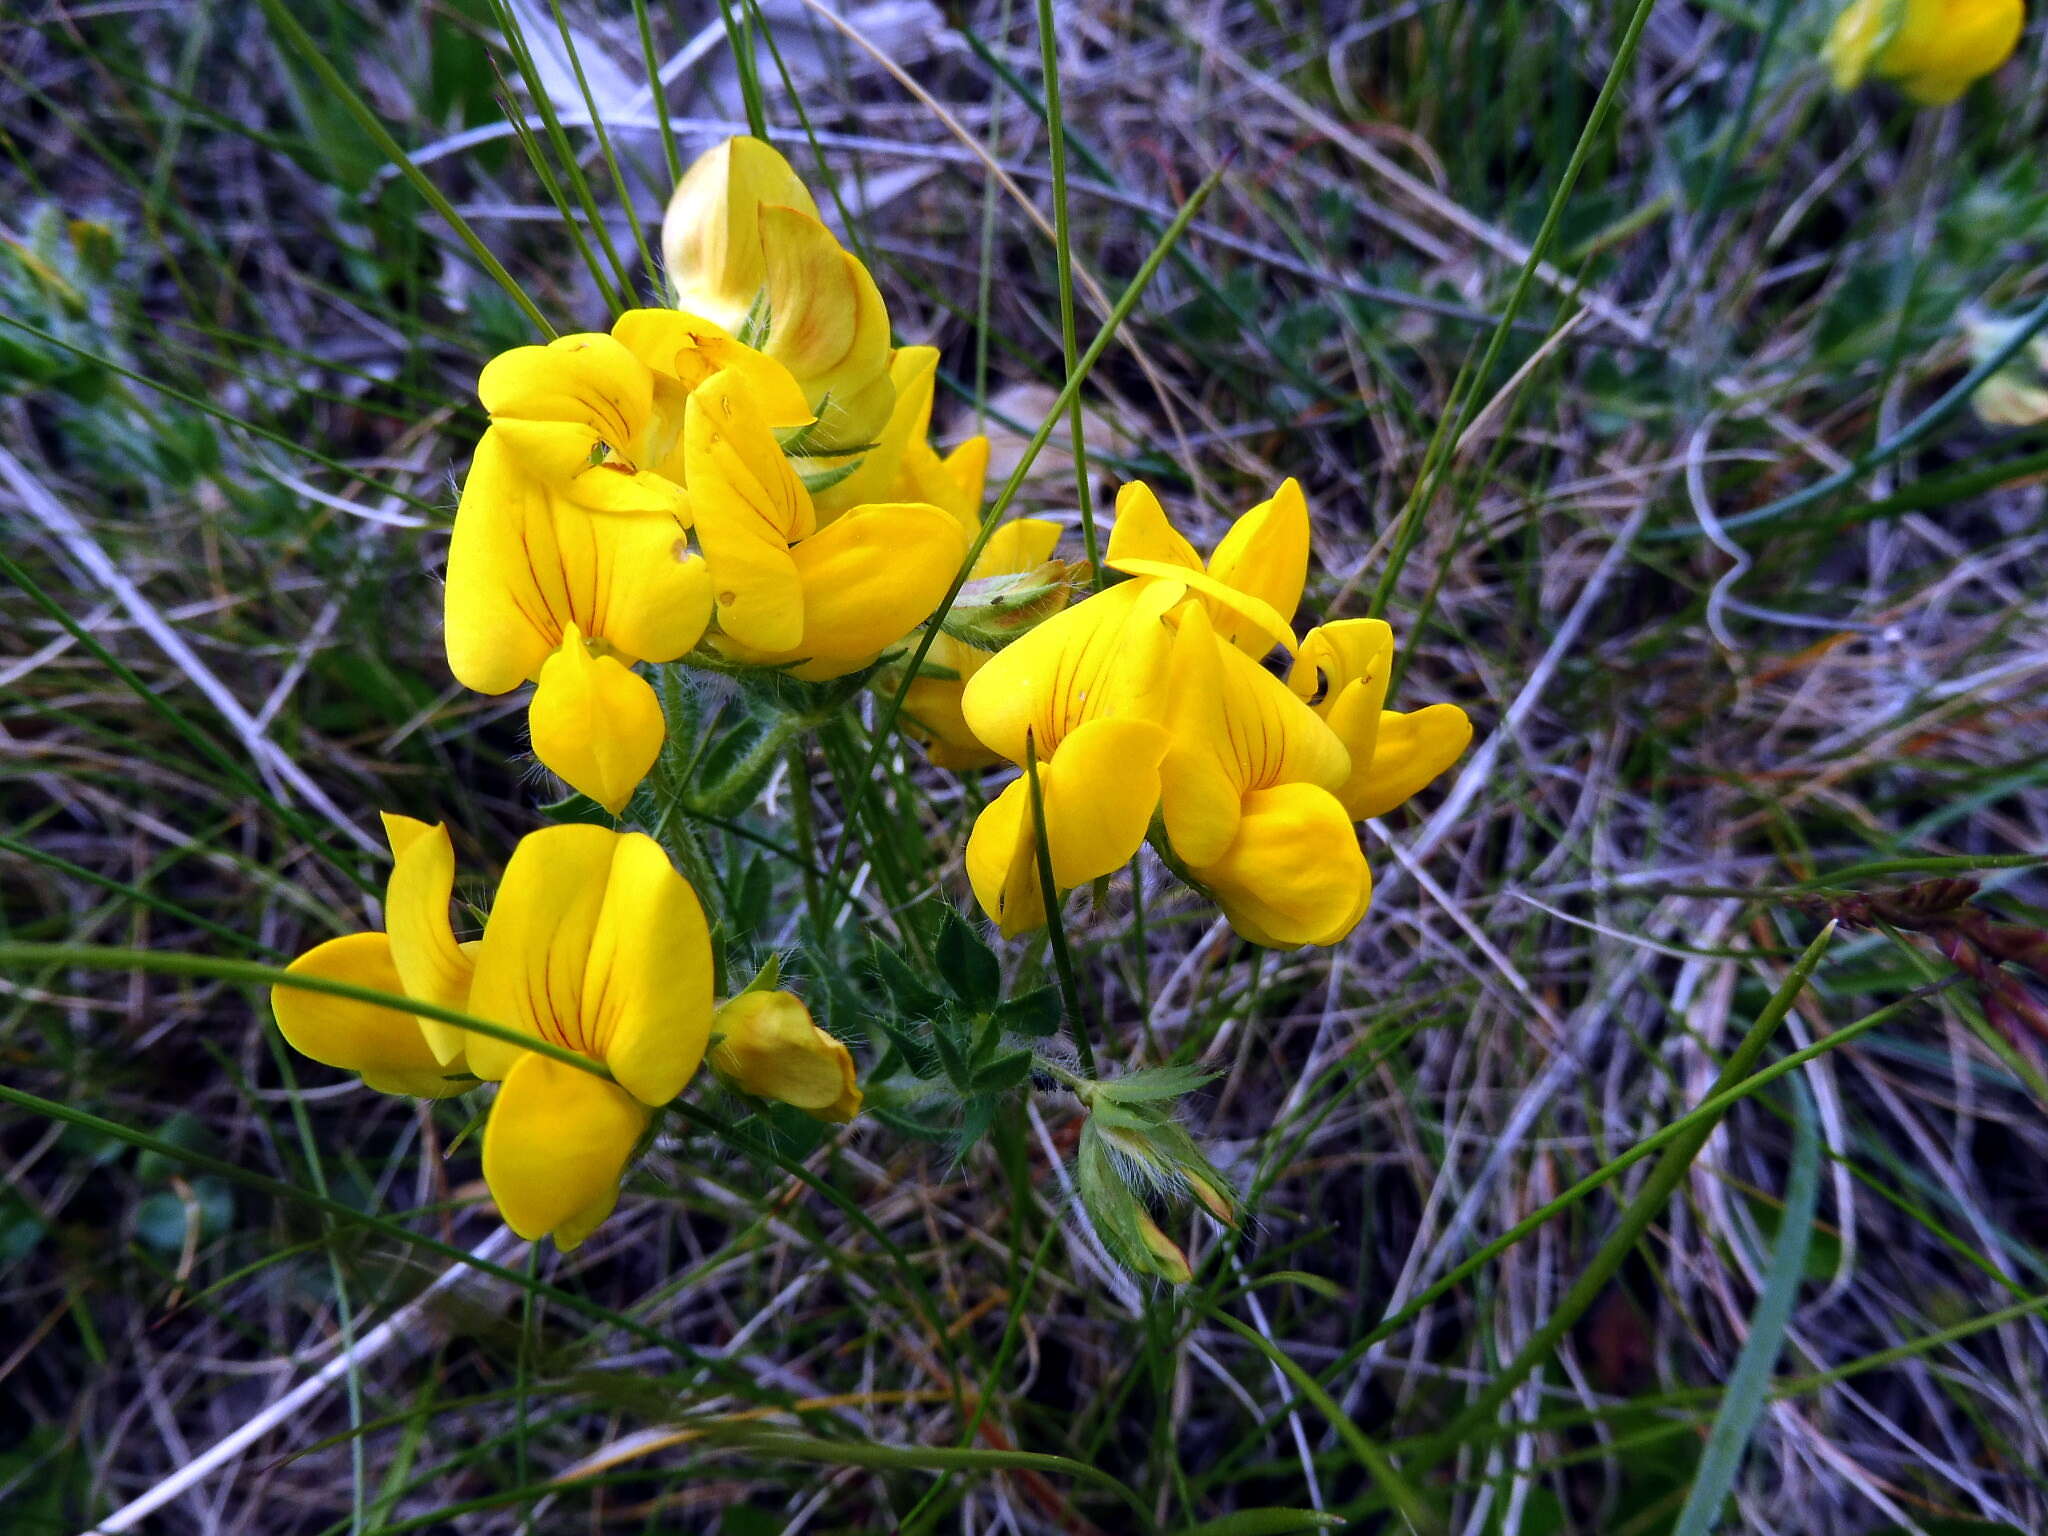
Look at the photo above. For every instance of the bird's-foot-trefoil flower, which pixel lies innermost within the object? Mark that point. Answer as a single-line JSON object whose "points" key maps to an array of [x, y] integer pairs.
{"points": [[767, 1046], [746, 249], [1080, 699], [1933, 50], [1249, 799], [594, 945], [820, 601], [1252, 581], [415, 955]]}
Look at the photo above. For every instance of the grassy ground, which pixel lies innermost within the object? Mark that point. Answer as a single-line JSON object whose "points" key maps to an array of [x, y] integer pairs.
{"points": [[1752, 619]]}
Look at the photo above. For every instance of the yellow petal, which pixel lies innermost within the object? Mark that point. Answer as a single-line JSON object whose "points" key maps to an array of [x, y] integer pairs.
{"points": [[931, 709], [689, 349], [556, 1147], [1002, 854], [711, 233], [1937, 48], [1264, 556], [772, 1050], [749, 507], [648, 983], [596, 724], [654, 601], [827, 324], [505, 580], [432, 965], [1294, 873], [382, 1045], [962, 481], [1411, 750], [1141, 531], [911, 374], [1253, 622], [558, 402], [597, 945], [1099, 794], [1105, 657], [1257, 730], [526, 563], [1350, 661], [1200, 796], [868, 580], [1022, 544]]}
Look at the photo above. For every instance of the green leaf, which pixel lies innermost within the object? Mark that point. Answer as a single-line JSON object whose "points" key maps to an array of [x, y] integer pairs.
{"points": [[1004, 1073], [1034, 1014], [1749, 1385], [967, 964], [1264, 1522]]}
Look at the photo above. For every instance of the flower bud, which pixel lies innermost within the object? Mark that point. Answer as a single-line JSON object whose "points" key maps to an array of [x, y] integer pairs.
{"points": [[772, 1050], [1170, 1264]]}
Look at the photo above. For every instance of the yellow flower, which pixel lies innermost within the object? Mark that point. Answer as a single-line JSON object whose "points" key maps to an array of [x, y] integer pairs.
{"points": [[568, 565], [771, 1049], [821, 601], [1249, 796], [595, 945], [745, 248], [1252, 582], [932, 708], [1084, 692], [417, 956], [1392, 754], [1932, 49]]}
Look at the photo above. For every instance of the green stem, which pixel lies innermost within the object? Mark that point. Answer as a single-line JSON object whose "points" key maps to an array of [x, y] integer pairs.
{"points": [[1062, 960]]}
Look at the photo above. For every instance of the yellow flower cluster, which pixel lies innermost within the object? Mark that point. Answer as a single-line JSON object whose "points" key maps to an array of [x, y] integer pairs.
{"points": [[748, 472], [1932, 49], [1150, 699]]}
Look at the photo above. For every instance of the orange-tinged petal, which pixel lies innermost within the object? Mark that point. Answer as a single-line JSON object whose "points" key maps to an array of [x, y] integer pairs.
{"points": [[1294, 874], [711, 232], [556, 1147], [432, 966], [382, 1045], [827, 324], [1264, 556], [595, 723], [772, 1050], [1022, 544]]}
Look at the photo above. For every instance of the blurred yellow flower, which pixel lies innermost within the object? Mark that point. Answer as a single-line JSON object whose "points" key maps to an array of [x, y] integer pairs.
{"points": [[771, 1049], [595, 945], [1932, 49], [746, 249]]}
